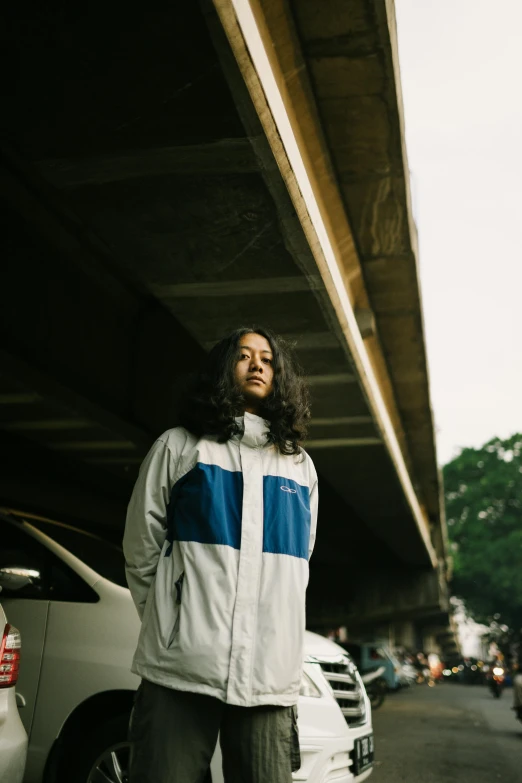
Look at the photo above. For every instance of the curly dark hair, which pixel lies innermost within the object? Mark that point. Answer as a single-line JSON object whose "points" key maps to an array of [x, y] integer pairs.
{"points": [[214, 400]]}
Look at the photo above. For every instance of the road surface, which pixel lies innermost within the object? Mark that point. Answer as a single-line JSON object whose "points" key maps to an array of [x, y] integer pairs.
{"points": [[447, 734]]}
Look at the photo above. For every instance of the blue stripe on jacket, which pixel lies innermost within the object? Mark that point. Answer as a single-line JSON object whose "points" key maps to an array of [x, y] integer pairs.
{"points": [[206, 506], [287, 517]]}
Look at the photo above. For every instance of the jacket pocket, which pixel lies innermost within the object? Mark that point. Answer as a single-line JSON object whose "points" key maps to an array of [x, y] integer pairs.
{"points": [[178, 584]]}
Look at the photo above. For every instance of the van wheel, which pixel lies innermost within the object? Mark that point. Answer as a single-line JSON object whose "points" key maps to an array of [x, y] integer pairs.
{"points": [[99, 755]]}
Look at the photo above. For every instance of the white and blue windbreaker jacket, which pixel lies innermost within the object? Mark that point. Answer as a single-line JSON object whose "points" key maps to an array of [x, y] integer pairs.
{"points": [[217, 543]]}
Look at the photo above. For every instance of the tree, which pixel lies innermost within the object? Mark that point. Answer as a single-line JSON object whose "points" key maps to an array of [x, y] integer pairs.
{"points": [[483, 491]]}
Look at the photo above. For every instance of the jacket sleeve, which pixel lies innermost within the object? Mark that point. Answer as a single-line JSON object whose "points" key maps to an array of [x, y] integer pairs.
{"points": [[314, 505], [146, 524]]}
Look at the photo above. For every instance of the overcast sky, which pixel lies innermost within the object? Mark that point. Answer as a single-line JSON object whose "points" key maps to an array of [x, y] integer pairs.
{"points": [[461, 71]]}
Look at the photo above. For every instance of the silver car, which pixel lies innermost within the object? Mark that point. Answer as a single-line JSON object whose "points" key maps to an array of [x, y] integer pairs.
{"points": [[13, 739]]}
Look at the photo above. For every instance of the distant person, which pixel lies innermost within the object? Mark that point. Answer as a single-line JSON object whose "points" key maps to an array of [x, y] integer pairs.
{"points": [[219, 531], [517, 688]]}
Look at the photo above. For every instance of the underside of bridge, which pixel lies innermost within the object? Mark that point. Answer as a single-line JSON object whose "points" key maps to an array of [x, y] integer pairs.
{"points": [[153, 200]]}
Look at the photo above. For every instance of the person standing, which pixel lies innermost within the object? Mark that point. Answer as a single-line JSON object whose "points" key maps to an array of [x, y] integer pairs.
{"points": [[219, 531], [517, 686]]}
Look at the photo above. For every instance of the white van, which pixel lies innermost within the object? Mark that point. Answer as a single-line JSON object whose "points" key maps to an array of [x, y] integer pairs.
{"points": [[80, 629]]}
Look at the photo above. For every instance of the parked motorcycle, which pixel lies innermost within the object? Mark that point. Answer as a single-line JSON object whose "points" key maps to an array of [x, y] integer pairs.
{"points": [[496, 681], [376, 687], [407, 675], [425, 677]]}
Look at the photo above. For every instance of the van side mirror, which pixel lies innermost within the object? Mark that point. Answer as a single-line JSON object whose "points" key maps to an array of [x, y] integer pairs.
{"points": [[16, 577]]}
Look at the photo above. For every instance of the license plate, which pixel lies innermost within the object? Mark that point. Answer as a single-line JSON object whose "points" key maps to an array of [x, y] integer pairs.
{"points": [[363, 754]]}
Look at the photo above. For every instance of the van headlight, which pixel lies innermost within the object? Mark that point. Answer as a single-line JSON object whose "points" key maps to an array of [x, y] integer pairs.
{"points": [[309, 688]]}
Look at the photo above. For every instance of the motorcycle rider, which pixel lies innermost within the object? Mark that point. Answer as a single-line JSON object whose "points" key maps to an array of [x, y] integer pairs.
{"points": [[496, 675], [517, 687]]}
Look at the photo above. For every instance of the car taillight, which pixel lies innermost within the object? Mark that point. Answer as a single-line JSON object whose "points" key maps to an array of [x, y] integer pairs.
{"points": [[9, 656]]}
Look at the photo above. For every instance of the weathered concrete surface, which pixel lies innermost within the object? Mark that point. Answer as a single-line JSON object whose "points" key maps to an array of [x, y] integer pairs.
{"points": [[447, 734], [350, 52]]}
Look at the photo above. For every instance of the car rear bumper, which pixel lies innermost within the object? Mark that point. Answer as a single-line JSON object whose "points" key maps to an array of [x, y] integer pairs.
{"points": [[13, 739]]}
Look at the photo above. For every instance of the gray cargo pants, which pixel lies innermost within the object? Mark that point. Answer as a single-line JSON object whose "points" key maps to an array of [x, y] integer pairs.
{"points": [[173, 735]]}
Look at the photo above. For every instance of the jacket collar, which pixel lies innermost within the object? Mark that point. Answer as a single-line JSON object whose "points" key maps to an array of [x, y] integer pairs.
{"points": [[255, 430]]}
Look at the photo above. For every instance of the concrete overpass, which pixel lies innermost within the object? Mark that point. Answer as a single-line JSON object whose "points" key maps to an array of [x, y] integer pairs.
{"points": [[168, 175]]}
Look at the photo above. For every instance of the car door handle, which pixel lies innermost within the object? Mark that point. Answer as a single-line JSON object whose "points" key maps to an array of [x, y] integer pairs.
{"points": [[20, 700]]}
